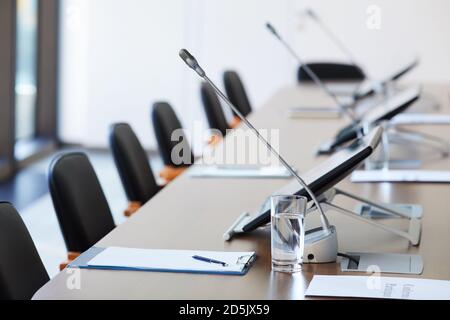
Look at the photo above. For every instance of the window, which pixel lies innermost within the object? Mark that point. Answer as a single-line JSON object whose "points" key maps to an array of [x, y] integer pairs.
{"points": [[26, 68], [28, 81]]}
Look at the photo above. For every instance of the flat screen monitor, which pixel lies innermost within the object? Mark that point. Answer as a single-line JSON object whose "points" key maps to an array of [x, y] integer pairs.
{"points": [[326, 175], [393, 106], [368, 87], [387, 110]]}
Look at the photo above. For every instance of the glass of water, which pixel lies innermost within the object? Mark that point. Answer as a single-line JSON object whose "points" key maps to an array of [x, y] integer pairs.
{"points": [[288, 232]]}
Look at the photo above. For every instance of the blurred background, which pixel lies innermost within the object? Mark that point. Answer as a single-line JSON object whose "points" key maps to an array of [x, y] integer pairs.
{"points": [[117, 57]]}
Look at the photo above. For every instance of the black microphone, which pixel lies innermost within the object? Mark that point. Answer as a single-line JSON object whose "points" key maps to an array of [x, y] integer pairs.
{"points": [[332, 36], [344, 49], [344, 109], [272, 30], [193, 64]]}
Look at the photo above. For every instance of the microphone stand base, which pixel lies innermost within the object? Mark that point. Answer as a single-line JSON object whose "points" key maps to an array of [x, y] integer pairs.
{"points": [[320, 247]]}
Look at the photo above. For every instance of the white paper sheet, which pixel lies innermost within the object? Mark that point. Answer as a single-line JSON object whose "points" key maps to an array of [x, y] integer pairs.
{"points": [[254, 172], [401, 176], [419, 118], [314, 112], [170, 260], [378, 288], [343, 88]]}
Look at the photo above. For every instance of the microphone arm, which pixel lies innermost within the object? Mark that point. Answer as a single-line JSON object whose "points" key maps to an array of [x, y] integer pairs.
{"points": [[337, 41], [312, 74], [193, 64], [331, 35]]}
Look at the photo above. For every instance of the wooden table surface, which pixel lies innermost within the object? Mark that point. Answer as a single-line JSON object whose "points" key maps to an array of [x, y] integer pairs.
{"points": [[194, 213]]}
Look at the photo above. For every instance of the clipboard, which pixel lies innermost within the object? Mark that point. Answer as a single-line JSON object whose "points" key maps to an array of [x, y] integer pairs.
{"points": [[170, 261]]}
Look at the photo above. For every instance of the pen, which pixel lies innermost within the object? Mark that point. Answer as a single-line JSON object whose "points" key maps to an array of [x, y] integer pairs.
{"points": [[208, 260]]}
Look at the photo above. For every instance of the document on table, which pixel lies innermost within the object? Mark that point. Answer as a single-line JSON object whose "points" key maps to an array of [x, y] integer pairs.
{"points": [[250, 172], [378, 288], [344, 89], [314, 112], [423, 176], [182, 261], [419, 118]]}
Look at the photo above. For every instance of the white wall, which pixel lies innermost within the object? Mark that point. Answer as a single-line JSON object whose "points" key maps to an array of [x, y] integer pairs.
{"points": [[408, 27], [119, 56], [115, 62]]}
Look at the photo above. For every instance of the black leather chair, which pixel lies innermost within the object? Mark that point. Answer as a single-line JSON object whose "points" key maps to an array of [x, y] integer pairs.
{"points": [[133, 166], [332, 72], [21, 270], [213, 109], [165, 122], [80, 204], [236, 93]]}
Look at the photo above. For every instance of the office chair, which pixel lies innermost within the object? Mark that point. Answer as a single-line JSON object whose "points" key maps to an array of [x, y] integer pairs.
{"points": [[214, 112], [332, 72], [165, 122], [236, 93], [80, 204], [134, 168], [22, 272]]}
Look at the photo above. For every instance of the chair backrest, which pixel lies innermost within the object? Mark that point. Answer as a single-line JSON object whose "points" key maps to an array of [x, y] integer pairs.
{"points": [[80, 204], [21, 270], [332, 72], [165, 122], [236, 92], [213, 109], [132, 163]]}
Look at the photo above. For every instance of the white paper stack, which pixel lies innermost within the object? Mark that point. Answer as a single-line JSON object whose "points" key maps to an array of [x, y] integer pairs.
{"points": [[378, 288]]}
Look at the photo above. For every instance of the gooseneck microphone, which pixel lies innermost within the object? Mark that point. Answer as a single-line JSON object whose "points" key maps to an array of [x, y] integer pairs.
{"points": [[344, 109], [193, 64], [332, 36], [338, 43]]}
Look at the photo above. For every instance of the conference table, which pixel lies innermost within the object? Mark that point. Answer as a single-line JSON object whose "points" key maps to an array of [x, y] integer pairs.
{"points": [[193, 214]]}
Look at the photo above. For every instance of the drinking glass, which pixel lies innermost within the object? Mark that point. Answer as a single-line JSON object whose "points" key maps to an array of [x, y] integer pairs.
{"points": [[288, 232]]}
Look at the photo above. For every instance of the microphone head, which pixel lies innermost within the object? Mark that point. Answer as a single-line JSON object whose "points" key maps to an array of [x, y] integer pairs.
{"points": [[190, 60], [311, 13], [272, 29]]}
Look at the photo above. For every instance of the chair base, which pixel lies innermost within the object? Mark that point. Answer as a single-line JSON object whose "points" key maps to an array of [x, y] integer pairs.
{"points": [[70, 257], [214, 140], [132, 208], [235, 122], [171, 173]]}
